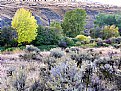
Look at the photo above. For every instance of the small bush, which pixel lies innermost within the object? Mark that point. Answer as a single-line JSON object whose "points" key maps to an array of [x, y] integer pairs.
{"points": [[92, 40], [78, 43], [75, 49], [113, 40], [98, 40], [46, 47], [75, 40], [110, 31], [100, 43], [96, 32], [10, 49], [69, 41], [37, 86], [105, 44], [31, 53], [20, 83], [28, 56], [117, 45], [31, 48], [91, 45], [118, 40], [2, 49], [83, 38], [108, 41], [57, 53], [62, 44]]}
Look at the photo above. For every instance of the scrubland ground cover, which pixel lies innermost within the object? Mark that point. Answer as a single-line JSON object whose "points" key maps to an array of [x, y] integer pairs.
{"points": [[70, 69]]}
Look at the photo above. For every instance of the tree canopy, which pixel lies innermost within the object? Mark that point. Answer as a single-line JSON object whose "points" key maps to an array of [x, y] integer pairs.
{"points": [[108, 19], [25, 25], [74, 22]]}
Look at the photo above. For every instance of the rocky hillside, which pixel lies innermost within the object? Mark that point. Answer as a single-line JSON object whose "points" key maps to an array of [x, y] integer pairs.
{"points": [[46, 12]]}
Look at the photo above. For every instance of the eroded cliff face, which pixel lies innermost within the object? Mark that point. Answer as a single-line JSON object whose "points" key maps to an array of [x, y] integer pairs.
{"points": [[45, 12]]}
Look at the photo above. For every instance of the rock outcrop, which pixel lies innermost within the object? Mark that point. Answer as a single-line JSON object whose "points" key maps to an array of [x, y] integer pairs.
{"points": [[47, 12]]}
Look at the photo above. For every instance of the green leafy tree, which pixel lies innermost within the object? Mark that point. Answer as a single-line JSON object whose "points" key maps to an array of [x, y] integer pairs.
{"points": [[25, 25], [8, 37], [47, 36], [74, 22], [108, 19]]}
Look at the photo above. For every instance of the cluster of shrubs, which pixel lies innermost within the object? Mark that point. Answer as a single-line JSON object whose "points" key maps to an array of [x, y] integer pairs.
{"points": [[106, 36], [83, 39], [69, 70], [31, 33], [104, 32], [107, 30], [46, 36], [52, 36], [116, 42], [65, 34]]}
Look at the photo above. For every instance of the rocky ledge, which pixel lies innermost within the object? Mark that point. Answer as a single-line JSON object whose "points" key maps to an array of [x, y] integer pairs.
{"points": [[46, 12]]}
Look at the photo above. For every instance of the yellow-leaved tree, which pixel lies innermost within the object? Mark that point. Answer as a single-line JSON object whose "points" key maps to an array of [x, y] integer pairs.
{"points": [[25, 25], [110, 31]]}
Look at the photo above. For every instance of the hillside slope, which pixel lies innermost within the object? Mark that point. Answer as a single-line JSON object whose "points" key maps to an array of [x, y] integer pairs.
{"points": [[45, 12]]}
